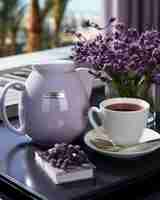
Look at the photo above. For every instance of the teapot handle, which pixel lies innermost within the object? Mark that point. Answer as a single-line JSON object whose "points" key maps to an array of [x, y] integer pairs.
{"points": [[18, 86]]}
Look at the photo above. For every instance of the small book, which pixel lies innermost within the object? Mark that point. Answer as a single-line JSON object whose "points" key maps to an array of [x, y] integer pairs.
{"points": [[63, 174]]}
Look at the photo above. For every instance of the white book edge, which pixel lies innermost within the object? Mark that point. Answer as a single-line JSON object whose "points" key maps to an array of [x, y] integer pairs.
{"points": [[59, 176]]}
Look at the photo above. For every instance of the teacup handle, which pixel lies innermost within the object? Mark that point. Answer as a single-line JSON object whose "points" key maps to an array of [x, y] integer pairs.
{"points": [[18, 86], [91, 117]]}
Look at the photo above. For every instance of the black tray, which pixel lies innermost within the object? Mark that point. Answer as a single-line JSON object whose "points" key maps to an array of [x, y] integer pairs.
{"points": [[22, 176]]}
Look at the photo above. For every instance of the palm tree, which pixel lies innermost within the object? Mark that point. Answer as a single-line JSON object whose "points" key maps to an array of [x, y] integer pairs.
{"points": [[34, 27], [14, 26], [10, 18], [59, 7], [35, 20]]}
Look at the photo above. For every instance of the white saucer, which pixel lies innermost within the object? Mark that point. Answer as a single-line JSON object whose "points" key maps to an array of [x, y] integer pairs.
{"points": [[148, 134]]}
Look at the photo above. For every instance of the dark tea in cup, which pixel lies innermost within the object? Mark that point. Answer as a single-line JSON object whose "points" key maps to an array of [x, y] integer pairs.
{"points": [[124, 107]]}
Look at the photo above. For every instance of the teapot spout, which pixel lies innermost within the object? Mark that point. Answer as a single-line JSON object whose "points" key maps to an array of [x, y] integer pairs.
{"points": [[87, 79]]}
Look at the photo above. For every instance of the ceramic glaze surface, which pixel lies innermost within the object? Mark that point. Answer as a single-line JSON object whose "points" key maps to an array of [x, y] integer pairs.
{"points": [[122, 127], [54, 104]]}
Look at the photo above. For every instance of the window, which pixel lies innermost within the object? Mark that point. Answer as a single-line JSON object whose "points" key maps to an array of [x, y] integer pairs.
{"points": [[31, 25]]}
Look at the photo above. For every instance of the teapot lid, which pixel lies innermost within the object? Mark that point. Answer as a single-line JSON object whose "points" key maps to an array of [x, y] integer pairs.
{"points": [[55, 65]]}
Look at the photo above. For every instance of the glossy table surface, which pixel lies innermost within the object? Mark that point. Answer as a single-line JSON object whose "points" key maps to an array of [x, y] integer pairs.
{"points": [[112, 174]]}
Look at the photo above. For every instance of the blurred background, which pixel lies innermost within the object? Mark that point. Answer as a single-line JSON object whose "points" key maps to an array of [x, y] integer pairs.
{"points": [[32, 25]]}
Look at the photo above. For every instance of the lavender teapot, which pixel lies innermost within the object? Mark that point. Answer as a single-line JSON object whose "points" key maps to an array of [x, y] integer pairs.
{"points": [[54, 103]]}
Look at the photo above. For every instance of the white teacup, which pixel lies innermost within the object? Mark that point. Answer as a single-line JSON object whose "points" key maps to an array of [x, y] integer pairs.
{"points": [[123, 119]]}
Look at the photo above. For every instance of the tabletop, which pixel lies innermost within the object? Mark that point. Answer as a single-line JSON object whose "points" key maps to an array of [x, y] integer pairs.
{"points": [[113, 176]]}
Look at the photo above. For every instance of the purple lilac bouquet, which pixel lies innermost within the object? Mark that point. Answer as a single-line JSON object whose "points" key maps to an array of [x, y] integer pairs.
{"points": [[122, 56]]}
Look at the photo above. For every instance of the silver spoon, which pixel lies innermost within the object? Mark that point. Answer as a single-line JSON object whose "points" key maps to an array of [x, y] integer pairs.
{"points": [[110, 146]]}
